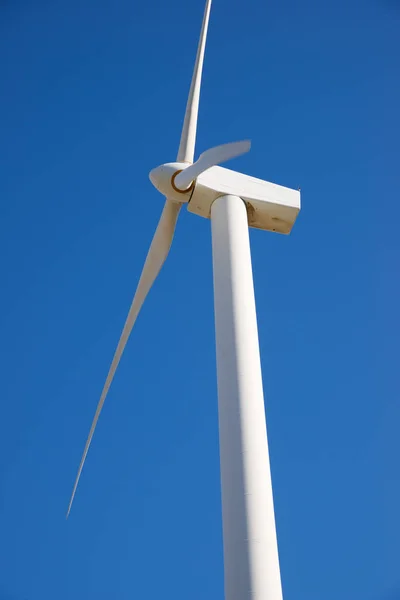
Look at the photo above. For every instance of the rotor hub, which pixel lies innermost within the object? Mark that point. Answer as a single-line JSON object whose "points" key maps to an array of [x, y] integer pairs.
{"points": [[163, 179]]}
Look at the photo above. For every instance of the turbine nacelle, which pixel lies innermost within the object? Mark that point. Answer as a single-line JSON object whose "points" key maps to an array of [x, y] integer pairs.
{"points": [[163, 179]]}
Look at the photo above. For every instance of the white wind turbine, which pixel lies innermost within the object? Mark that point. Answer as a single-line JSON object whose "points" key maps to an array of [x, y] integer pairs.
{"points": [[233, 201]]}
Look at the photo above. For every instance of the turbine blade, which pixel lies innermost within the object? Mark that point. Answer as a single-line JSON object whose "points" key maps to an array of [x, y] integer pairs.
{"points": [[188, 136], [156, 256], [210, 158]]}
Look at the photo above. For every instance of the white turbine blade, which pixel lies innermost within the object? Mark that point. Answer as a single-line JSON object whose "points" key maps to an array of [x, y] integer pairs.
{"points": [[210, 158], [156, 256], [188, 136]]}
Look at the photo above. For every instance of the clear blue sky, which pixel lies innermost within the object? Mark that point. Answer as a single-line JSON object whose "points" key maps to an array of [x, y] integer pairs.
{"points": [[92, 97]]}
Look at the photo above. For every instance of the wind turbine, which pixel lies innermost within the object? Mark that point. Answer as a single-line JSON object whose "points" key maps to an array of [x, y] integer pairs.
{"points": [[233, 201]]}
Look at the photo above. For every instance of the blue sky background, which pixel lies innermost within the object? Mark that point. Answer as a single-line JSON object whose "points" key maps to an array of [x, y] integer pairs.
{"points": [[92, 97]]}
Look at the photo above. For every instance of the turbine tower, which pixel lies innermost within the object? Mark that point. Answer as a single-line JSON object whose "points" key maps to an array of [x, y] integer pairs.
{"points": [[233, 201]]}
